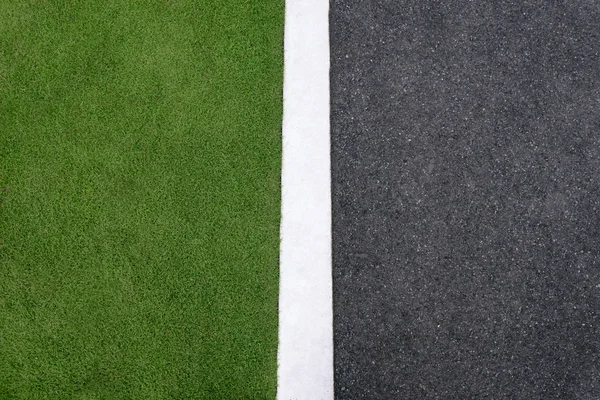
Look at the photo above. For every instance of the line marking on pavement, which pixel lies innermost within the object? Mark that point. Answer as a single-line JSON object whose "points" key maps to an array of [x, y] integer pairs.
{"points": [[305, 354]]}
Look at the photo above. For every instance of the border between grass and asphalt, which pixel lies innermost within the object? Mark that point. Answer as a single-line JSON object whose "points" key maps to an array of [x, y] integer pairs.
{"points": [[305, 354]]}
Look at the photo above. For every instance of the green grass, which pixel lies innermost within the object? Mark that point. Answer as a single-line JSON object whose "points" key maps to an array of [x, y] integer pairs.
{"points": [[139, 198]]}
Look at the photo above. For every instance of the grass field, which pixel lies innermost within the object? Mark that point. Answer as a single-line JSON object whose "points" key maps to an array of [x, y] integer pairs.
{"points": [[139, 198]]}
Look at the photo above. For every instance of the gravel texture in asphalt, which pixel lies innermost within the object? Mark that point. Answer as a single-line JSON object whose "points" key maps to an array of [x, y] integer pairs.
{"points": [[466, 199]]}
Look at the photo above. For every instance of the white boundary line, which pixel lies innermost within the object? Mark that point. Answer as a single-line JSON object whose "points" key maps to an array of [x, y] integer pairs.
{"points": [[305, 356]]}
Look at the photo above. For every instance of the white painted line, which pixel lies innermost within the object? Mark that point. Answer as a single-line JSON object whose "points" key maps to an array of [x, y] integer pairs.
{"points": [[305, 356]]}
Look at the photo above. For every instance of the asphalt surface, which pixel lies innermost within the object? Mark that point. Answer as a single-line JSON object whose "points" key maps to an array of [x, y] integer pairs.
{"points": [[466, 199]]}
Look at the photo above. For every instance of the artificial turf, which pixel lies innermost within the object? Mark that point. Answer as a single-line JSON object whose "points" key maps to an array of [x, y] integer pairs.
{"points": [[139, 198]]}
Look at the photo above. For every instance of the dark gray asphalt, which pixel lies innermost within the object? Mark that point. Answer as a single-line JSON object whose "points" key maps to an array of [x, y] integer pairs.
{"points": [[466, 199]]}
